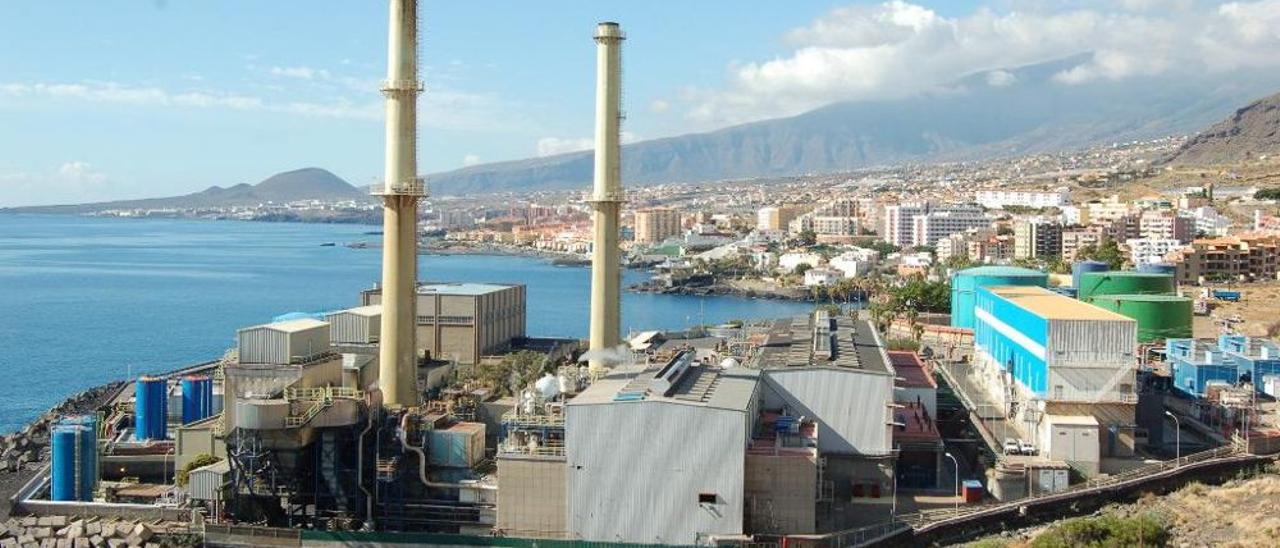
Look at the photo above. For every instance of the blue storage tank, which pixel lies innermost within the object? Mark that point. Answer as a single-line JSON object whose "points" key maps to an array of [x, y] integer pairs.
{"points": [[74, 472], [1158, 268], [197, 398], [1084, 267], [966, 282], [151, 409]]}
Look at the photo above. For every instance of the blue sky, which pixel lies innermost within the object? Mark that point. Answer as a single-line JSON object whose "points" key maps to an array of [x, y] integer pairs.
{"points": [[121, 99]]}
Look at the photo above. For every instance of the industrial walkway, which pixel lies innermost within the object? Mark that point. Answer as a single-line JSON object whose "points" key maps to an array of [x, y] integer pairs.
{"points": [[985, 414]]}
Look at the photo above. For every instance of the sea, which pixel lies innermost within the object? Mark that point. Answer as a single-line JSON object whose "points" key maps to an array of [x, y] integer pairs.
{"points": [[85, 301]]}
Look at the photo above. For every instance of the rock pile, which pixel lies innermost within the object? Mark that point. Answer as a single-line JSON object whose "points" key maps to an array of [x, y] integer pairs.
{"points": [[62, 532]]}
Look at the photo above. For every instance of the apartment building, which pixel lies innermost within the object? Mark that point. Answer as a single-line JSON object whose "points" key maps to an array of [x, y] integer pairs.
{"points": [[915, 224], [1076, 238], [1151, 250], [656, 224], [1243, 257], [777, 217], [1166, 225], [1037, 239], [999, 199]]}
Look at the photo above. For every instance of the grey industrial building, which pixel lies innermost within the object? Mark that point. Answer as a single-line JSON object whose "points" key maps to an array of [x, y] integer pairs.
{"points": [[797, 440], [463, 322]]}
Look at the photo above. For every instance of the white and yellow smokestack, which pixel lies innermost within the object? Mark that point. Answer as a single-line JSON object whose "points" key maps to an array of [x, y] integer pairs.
{"points": [[607, 198], [401, 191]]}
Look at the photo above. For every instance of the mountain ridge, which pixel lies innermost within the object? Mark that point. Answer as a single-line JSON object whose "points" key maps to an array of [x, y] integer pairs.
{"points": [[970, 119], [1250, 132], [309, 183]]}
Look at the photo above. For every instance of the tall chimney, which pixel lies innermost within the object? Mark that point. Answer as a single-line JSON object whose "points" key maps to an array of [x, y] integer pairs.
{"points": [[606, 198], [401, 190]]}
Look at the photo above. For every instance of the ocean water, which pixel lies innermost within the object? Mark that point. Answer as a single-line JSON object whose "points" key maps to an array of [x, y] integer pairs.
{"points": [[84, 301]]}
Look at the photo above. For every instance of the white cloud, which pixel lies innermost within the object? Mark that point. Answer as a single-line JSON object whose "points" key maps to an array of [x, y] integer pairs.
{"points": [[80, 173], [470, 160], [305, 73], [659, 106], [898, 49], [1001, 78], [551, 146], [72, 182]]}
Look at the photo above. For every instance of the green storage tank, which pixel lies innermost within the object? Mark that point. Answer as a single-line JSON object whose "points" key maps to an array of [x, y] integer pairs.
{"points": [[1159, 317], [1124, 282], [966, 282]]}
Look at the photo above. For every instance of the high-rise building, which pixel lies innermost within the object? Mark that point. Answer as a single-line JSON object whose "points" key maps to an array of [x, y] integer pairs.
{"points": [[1167, 225], [1075, 239], [1037, 239], [777, 217], [916, 224], [1244, 257], [656, 224]]}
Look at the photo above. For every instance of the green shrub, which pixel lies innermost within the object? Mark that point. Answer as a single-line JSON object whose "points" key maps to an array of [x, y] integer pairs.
{"points": [[1107, 531], [200, 461]]}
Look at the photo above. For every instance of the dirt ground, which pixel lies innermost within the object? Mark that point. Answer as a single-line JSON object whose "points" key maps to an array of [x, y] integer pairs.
{"points": [[1240, 513], [1258, 311]]}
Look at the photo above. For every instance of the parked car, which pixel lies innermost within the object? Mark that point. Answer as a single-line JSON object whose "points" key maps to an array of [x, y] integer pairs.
{"points": [[1026, 447], [1011, 446]]}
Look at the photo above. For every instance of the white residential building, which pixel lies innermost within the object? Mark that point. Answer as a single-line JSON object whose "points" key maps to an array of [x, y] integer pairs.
{"points": [[938, 224], [999, 199], [822, 277], [787, 262], [1209, 222], [1151, 250], [857, 262]]}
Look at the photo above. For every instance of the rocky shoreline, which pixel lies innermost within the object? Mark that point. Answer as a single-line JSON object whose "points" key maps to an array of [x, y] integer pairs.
{"points": [[24, 452]]}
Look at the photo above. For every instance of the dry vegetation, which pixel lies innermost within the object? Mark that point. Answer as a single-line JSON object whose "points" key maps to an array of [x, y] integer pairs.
{"points": [[1258, 310], [1238, 514]]}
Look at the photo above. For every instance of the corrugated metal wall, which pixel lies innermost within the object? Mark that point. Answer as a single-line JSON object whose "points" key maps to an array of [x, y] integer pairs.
{"points": [[851, 406], [348, 327], [635, 471]]}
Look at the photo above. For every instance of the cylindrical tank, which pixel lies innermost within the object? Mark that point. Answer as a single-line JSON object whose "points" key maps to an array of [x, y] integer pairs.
{"points": [[1080, 268], [965, 283], [1118, 282], [197, 398], [74, 455], [1158, 268], [1159, 317], [150, 408]]}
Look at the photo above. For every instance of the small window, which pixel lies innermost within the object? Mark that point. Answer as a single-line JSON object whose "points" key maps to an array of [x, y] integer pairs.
{"points": [[706, 498]]}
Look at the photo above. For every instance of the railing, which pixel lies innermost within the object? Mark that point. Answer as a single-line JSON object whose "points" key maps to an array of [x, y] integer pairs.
{"points": [[533, 420], [539, 451], [941, 514], [323, 393]]}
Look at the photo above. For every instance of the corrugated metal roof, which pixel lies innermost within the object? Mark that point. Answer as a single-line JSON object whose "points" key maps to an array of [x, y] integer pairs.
{"points": [[291, 326], [463, 288], [1052, 306], [1000, 271], [367, 311], [702, 385]]}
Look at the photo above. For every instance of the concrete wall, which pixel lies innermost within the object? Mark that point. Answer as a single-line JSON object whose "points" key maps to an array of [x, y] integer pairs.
{"points": [[637, 469], [531, 496], [781, 494]]}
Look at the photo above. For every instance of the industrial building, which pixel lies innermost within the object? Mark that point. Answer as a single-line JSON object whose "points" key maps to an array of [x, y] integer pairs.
{"points": [[1062, 368], [798, 440], [1232, 360], [462, 322]]}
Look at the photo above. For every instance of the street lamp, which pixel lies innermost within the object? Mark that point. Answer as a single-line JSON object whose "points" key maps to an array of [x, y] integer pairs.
{"points": [[1177, 437], [957, 478]]}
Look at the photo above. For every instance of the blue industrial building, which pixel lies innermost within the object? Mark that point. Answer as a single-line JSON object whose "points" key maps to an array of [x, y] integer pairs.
{"points": [[1064, 370], [965, 284], [1198, 363], [1030, 332]]}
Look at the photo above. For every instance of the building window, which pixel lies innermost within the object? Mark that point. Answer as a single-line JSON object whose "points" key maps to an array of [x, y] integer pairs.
{"points": [[706, 498]]}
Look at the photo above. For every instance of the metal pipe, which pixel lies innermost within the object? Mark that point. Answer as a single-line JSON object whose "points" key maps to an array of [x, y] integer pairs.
{"points": [[368, 497], [403, 434]]}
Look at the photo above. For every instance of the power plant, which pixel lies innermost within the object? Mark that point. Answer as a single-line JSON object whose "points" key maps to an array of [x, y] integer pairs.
{"points": [[606, 198]]}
